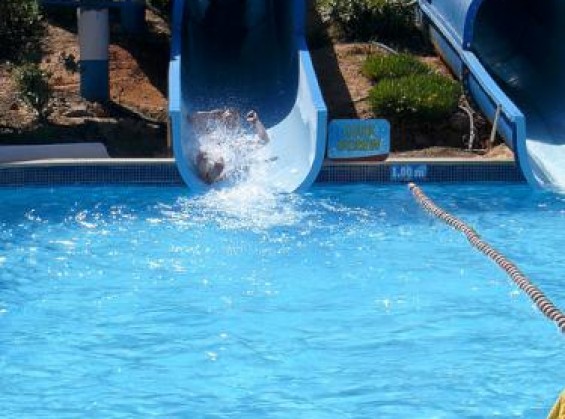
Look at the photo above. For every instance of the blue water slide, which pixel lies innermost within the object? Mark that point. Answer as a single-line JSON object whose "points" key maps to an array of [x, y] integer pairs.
{"points": [[510, 55], [248, 54]]}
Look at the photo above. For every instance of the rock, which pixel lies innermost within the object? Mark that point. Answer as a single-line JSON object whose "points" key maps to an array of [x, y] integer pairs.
{"points": [[97, 110], [77, 111]]}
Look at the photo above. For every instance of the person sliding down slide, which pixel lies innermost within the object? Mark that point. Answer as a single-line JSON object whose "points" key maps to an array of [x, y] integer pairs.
{"points": [[212, 129]]}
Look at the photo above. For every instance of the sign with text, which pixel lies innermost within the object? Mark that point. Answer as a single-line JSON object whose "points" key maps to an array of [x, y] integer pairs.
{"points": [[358, 138], [408, 172]]}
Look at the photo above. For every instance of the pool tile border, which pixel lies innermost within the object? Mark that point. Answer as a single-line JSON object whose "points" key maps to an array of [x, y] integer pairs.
{"points": [[423, 171], [163, 172]]}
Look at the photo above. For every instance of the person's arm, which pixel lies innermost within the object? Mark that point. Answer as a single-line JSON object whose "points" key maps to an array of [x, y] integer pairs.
{"points": [[258, 127]]}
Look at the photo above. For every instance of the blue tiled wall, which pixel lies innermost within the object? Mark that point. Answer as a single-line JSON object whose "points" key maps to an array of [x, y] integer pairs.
{"points": [[166, 174]]}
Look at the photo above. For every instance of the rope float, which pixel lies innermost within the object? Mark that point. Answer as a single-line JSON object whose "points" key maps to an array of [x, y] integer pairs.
{"points": [[543, 303]]}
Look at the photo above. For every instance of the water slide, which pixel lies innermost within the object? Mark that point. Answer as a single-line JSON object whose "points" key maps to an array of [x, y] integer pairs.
{"points": [[510, 55], [248, 54]]}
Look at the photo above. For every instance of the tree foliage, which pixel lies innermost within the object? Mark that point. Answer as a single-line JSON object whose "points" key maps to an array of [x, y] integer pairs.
{"points": [[362, 20], [20, 28], [33, 86]]}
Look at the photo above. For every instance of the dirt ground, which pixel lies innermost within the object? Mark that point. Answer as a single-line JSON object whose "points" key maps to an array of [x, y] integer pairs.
{"points": [[134, 122], [345, 91]]}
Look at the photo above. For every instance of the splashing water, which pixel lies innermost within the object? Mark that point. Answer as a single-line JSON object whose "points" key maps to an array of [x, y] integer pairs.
{"points": [[244, 198], [245, 207], [245, 156]]}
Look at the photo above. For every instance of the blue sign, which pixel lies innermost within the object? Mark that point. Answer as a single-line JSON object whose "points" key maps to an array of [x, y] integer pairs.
{"points": [[358, 138]]}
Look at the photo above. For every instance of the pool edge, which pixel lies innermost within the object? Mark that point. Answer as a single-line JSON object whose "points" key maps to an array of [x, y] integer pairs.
{"points": [[163, 172]]}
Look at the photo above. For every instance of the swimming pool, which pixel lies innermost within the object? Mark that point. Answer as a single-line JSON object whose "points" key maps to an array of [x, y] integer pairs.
{"points": [[346, 301]]}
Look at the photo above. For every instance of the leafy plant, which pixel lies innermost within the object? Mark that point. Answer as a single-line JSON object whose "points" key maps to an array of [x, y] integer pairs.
{"points": [[362, 20], [378, 66], [69, 62], [33, 86], [20, 27], [420, 97]]}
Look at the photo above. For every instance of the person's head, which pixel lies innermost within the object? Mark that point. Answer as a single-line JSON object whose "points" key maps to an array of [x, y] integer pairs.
{"points": [[210, 169]]}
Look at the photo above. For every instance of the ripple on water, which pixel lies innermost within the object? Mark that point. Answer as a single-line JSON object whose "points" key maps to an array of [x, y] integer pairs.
{"points": [[340, 302]]}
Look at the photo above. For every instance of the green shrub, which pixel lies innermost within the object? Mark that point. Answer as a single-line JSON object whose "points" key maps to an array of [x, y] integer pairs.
{"points": [[362, 20], [33, 86], [378, 67], [421, 97], [20, 28]]}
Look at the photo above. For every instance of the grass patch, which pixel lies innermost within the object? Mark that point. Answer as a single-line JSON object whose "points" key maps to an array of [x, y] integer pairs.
{"points": [[379, 67], [415, 98]]}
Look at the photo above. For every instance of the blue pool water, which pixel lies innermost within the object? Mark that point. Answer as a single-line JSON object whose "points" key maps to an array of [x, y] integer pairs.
{"points": [[344, 302]]}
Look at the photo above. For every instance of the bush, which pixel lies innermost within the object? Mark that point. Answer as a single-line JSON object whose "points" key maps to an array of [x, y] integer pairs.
{"points": [[20, 28], [33, 86], [362, 20], [378, 67], [416, 98]]}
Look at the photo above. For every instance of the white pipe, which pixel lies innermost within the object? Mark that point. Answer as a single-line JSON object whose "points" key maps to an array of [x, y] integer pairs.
{"points": [[472, 132], [494, 125]]}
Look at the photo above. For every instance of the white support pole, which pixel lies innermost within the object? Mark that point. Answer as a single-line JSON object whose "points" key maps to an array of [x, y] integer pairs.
{"points": [[94, 38]]}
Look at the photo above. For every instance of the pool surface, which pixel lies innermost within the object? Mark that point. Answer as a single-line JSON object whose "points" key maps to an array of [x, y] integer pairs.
{"points": [[344, 302]]}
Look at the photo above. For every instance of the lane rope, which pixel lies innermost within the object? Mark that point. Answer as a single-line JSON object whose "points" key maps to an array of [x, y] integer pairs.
{"points": [[543, 303]]}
